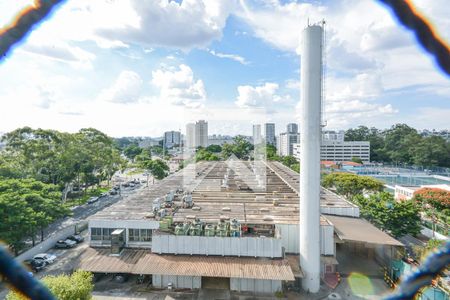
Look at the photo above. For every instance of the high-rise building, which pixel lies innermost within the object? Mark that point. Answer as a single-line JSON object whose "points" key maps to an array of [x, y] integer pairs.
{"points": [[269, 133], [201, 134], [197, 134], [292, 128], [190, 136], [257, 138], [285, 143], [172, 139]]}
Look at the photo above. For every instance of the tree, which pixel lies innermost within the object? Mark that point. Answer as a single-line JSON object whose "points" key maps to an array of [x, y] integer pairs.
{"points": [[214, 148], [357, 160], [374, 136], [397, 218], [241, 148], [77, 286], [27, 206], [204, 154], [438, 198], [132, 150], [431, 152], [350, 185], [159, 169]]}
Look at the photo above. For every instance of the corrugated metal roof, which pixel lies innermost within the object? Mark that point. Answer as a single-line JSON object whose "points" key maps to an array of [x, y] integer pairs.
{"points": [[145, 262], [359, 230]]}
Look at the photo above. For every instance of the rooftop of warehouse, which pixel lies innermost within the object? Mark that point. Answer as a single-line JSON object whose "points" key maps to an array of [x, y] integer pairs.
{"points": [[276, 204]]}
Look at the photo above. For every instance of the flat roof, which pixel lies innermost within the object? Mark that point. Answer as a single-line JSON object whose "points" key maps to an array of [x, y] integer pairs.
{"points": [[278, 203], [142, 262], [359, 230]]}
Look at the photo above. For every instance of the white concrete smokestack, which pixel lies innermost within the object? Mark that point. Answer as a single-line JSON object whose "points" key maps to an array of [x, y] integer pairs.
{"points": [[310, 138]]}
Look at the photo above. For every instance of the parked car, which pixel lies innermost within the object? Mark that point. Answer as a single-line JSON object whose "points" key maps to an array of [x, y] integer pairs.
{"points": [[113, 192], [116, 187], [62, 244], [132, 184], [92, 200], [35, 265], [76, 238], [126, 184], [45, 258]]}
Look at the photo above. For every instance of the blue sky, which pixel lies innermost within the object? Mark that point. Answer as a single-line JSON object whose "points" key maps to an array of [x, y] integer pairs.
{"points": [[134, 67]]}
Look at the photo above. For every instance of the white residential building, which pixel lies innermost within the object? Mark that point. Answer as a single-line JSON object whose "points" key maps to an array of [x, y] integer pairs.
{"points": [[257, 137], [190, 136], [197, 135], [201, 133], [285, 143]]}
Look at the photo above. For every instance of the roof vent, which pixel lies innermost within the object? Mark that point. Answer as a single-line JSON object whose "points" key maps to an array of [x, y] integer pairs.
{"points": [[226, 209], [264, 209], [190, 217], [196, 208], [330, 204], [268, 218], [223, 218]]}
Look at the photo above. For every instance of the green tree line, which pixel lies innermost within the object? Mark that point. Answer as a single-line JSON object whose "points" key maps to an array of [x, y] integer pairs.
{"points": [[86, 157], [377, 206], [37, 169], [402, 144]]}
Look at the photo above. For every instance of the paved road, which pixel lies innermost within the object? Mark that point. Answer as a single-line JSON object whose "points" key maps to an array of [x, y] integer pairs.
{"points": [[82, 212]]}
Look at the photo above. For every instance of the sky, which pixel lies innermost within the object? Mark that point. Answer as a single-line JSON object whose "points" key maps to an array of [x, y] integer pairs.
{"points": [[142, 67]]}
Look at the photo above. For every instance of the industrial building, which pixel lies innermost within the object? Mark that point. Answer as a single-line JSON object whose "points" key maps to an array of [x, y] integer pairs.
{"points": [[205, 226]]}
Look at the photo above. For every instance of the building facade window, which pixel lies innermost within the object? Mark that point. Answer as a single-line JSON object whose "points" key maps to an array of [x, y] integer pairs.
{"points": [[145, 235], [139, 235], [96, 234], [133, 235], [107, 234]]}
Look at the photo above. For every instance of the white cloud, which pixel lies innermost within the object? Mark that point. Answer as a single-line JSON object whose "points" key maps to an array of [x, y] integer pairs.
{"points": [[126, 89], [187, 25], [257, 97], [179, 87], [234, 57], [62, 52], [362, 37]]}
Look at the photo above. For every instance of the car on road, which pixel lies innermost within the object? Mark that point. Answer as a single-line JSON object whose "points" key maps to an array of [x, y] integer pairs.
{"points": [[35, 265], [76, 238], [67, 243], [45, 258], [92, 200]]}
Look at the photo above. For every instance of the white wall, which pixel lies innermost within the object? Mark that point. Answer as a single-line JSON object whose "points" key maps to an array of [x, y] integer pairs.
{"points": [[225, 246], [180, 282], [290, 238], [255, 285], [49, 242]]}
